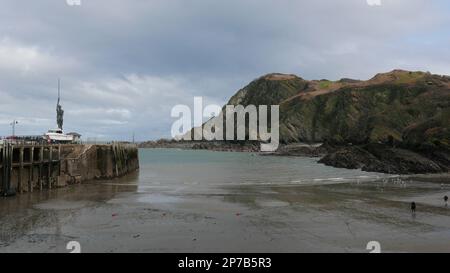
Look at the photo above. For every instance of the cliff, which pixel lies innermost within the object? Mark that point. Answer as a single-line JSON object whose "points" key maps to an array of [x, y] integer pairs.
{"points": [[407, 112], [398, 104]]}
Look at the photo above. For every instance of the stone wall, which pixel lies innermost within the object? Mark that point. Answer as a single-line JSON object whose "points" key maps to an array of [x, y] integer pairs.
{"points": [[87, 162]]}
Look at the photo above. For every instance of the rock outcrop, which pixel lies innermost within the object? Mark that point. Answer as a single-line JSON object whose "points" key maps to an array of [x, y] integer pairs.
{"points": [[385, 159]]}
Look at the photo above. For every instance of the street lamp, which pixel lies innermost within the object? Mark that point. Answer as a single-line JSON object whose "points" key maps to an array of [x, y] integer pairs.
{"points": [[13, 124]]}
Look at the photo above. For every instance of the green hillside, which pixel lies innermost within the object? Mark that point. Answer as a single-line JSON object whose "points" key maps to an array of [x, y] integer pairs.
{"points": [[413, 107]]}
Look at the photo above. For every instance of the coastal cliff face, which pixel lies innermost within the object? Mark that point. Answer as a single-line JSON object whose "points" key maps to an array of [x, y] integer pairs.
{"points": [[87, 162], [407, 113], [401, 105]]}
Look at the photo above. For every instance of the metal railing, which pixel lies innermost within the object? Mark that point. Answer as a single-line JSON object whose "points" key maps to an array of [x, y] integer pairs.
{"points": [[23, 141], [39, 140]]}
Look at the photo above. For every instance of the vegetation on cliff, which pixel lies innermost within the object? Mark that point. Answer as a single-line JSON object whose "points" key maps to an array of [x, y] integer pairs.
{"points": [[408, 112], [399, 105]]}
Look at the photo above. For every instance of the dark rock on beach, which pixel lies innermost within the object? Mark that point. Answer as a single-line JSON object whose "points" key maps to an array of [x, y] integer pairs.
{"points": [[385, 159]]}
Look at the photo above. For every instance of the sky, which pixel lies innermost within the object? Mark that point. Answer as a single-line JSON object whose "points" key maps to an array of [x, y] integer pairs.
{"points": [[125, 64]]}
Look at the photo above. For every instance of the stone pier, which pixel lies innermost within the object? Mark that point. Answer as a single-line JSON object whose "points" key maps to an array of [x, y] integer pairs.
{"points": [[29, 167]]}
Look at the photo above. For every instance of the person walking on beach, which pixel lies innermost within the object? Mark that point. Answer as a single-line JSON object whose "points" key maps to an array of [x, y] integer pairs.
{"points": [[413, 208], [446, 200]]}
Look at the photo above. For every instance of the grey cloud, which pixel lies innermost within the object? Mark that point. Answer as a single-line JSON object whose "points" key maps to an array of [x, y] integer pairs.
{"points": [[124, 64]]}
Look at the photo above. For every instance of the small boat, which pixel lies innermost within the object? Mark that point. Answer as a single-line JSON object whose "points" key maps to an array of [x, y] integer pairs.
{"points": [[57, 135]]}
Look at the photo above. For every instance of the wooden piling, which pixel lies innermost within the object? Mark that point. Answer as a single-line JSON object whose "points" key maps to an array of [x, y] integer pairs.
{"points": [[30, 173], [3, 168], [19, 183], [41, 166], [50, 165]]}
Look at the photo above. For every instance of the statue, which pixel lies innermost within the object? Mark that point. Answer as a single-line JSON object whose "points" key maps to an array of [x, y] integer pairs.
{"points": [[59, 110]]}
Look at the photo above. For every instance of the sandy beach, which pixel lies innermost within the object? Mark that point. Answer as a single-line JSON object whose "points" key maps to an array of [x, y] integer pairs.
{"points": [[114, 216]]}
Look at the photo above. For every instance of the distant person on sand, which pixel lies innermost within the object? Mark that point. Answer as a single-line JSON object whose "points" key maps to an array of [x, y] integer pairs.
{"points": [[413, 207], [446, 200]]}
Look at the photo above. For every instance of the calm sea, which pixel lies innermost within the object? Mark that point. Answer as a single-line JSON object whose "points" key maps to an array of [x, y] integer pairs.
{"points": [[173, 168]]}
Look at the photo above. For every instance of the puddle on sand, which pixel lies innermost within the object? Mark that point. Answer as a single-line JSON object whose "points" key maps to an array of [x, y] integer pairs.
{"points": [[147, 198], [271, 203], [62, 205], [158, 199]]}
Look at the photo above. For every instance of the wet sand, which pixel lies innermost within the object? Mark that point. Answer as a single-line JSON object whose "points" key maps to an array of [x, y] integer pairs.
{"points": [[116, 216]]}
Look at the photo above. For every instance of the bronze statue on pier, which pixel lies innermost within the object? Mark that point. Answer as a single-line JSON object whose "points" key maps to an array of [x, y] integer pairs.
{"points": [[59, 110]]}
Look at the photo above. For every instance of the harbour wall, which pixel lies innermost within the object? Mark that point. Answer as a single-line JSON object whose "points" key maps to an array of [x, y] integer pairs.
{"points": [[29, 167]]}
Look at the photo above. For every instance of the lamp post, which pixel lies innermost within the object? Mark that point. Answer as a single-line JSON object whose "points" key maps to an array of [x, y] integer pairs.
{"points": [[13, 124]]}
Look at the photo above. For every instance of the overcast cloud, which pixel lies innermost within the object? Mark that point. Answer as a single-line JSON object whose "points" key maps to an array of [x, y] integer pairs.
{"points": [[125, 64]]}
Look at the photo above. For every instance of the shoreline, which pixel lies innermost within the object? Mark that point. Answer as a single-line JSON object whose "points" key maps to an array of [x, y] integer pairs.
{"points": [[372, 157]]}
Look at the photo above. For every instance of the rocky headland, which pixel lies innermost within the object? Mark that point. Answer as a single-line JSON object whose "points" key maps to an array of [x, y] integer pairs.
{"points": [[396, 122]]}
